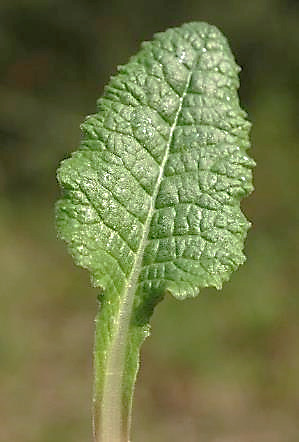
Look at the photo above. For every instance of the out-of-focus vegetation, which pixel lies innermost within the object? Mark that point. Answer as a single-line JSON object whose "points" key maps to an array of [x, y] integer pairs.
{"points": [[232, 376]]}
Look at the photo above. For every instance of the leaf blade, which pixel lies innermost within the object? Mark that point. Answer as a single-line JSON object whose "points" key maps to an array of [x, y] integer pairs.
{"points": [[152, 198]]}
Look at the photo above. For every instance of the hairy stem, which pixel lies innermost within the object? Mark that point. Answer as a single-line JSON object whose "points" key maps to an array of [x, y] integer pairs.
{"points": [[115, 371]]}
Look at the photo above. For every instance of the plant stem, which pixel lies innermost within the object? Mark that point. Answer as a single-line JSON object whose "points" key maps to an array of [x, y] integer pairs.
{"points": [[116, 361], [110, 423]]}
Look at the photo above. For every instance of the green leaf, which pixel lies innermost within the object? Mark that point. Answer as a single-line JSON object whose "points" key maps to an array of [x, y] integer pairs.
{"points": [[151, 200]]}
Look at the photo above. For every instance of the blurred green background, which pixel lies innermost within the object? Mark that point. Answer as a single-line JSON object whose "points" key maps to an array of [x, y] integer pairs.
{"points": [[219, 368]]}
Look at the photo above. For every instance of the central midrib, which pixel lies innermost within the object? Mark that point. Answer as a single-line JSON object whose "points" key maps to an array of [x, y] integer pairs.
{"points": [[112, 389]]}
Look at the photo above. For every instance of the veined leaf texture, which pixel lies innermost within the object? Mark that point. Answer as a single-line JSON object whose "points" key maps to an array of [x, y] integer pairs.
{"points": [[151, 200], [159, 175]]}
